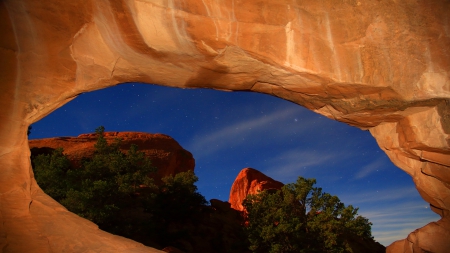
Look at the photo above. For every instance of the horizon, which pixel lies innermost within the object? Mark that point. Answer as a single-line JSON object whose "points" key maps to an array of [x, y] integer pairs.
{"points": [[229, 131]]}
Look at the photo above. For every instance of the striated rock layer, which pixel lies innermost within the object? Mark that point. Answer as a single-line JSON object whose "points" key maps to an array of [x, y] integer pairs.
{"points": [[377, 65], [165, 153], [250, 181]]}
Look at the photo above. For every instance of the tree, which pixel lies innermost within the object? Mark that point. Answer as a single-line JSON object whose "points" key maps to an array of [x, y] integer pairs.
{"points": [[301, 218], [178, 195], [176, 208], [104, 188], [113, 189], [108, 183], [50, 171]]}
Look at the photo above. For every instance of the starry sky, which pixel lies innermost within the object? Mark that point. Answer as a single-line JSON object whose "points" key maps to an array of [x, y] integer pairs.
{"points": [[229, 131]]}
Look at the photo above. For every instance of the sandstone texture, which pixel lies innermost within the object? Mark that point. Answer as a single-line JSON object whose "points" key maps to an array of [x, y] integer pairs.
{"points": [[250, 181], [382, 66], [165, 153]]}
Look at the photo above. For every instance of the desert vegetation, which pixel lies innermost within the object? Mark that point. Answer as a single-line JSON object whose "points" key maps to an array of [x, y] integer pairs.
{"points": [[116, 190], [302, 218]]}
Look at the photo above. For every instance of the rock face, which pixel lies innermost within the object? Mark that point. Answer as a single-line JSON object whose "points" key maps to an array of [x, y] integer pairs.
{"points": [[382, 65], [250, 181], [165, 153]]}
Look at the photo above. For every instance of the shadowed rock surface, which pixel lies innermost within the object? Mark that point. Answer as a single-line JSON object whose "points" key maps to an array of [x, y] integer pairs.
{"points": [[383, 66], [164, 152]]}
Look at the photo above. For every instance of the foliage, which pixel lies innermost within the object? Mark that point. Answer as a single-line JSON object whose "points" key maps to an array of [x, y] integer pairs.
{"points": [[177, 195], [50, 171], [114, 190], [177, 206], [102, 187], [302, 218]]}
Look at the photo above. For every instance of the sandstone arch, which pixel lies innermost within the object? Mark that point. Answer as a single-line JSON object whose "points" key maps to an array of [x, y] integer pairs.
{"points": [[378, 65]]}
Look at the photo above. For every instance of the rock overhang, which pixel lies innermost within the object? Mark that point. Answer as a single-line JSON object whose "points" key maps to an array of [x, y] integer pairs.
{"points": [[381, 66]]}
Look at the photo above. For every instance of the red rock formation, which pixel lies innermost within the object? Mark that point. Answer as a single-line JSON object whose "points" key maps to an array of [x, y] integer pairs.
{"points": [[165, 153], [250, 181], [382, 66]]}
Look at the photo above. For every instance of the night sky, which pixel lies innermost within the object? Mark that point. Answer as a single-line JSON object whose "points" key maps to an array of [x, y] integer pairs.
{"points": [[228, 131]]}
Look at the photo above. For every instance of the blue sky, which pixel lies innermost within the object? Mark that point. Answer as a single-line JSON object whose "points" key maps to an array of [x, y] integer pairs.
{"points": [[228, 131]]}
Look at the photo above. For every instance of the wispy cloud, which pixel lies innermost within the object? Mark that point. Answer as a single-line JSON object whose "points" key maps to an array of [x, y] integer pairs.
{"points": [[228, 135], [394, 212], [294, 162], [395, 222], [379, 196], [388, 237], [374, 166]]}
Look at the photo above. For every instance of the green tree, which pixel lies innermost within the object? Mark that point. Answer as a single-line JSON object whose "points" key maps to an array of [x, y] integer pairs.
{"points": [[301, 218], [108, 183], [50, 171], [176, 208], [114, 190], [179, 197], [105, 188]]}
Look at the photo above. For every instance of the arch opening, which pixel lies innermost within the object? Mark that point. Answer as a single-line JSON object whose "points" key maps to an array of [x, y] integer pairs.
{"points": [[228, 131], [371, 64]]}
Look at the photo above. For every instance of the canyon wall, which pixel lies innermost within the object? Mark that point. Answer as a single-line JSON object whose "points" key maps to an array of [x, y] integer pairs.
{"points": [[380, 65]]}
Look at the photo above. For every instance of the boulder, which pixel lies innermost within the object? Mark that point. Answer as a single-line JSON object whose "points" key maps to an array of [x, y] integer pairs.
{"points": [[250, 181]]}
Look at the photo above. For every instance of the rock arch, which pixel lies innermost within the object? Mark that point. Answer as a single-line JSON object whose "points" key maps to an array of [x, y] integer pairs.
{"points": [[377, 65]]}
